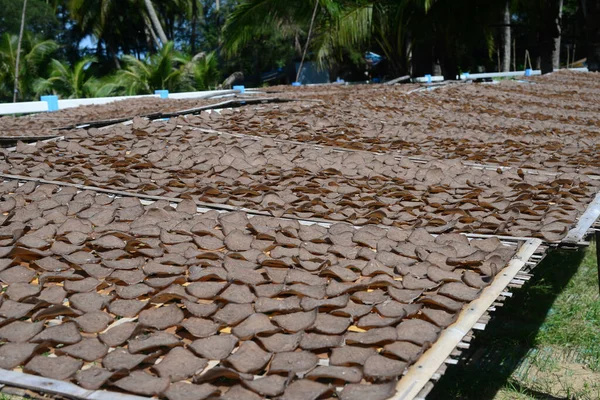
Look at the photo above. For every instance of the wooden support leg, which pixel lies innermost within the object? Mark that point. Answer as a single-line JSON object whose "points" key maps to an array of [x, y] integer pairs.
{"points": [[598, 256]]}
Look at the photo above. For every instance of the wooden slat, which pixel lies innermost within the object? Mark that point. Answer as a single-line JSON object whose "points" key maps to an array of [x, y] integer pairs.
{"points": [[23, 108], [587, 220], [45, 385]]}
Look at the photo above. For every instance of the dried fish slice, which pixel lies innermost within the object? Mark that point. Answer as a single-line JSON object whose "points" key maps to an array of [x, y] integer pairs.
{"points": [[189, 391], [249, 358], [180, 364], [216, 347], [14, 354], [296, 362], [87, 349], [162, 317], [142, 383], [120, 359], [61, 368]]}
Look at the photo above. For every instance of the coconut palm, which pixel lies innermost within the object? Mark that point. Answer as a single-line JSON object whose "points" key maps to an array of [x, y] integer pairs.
{"points": [[205, 71], [337, 24], [393, 27], [163, 70], [128, 26], [35, 56], [73, 83], [155, 21], [253, 18], [19, 43], [169, 70], [591, 12]]}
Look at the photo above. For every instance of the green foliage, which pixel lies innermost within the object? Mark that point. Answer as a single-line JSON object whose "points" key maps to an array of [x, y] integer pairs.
{"points": [[35, 56], [162, 70], [206, 72], [574, 319], [40, 18], [254, 36], [117, 25], [168, 69], [73, 83]]}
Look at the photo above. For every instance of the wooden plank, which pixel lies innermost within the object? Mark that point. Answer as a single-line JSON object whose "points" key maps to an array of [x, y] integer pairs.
{"points": [[587, 220], [48, 140], [23, 108], [597, 234], [53, 386], [226, 104], [421, 372], [202, 95], [73, 103], [26, 138], [397, 80]]}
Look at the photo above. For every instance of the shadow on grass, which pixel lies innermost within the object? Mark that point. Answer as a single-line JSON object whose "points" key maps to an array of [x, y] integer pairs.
{"points": [[497, 352]]}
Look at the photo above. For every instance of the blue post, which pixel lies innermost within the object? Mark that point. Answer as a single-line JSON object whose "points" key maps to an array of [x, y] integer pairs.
{"points": [[52, 102], [241, 88], [528, 72], [164, 94], [296, 84], [428, 78]]}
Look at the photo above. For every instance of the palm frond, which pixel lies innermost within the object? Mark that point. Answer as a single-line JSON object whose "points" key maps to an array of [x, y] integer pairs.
{"points": [[253, 18]]}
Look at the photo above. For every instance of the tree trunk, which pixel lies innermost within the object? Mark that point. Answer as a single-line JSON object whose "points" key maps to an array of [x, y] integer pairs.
{"points": [[156, 22], [194, 23], [556, 54], [550, 34], [218, 5], [506, 37], [16, 89], [113, 54], [150, 30], [312, 22], [422, 59], [591, 13], [152, 38]]}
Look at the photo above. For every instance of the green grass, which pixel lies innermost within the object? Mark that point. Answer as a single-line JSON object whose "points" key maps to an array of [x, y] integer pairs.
{"points": [[543, 344], [573, 322], [8, 397]]}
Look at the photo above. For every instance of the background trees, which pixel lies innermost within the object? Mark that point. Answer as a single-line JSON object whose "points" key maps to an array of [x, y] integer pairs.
{"points": [[141, 45]]}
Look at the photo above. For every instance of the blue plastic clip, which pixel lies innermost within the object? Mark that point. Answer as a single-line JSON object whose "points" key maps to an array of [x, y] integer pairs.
{"points": [[241, 88], [164, 94], [528, 72], [296, 84], [428, 78], [52, 102]]}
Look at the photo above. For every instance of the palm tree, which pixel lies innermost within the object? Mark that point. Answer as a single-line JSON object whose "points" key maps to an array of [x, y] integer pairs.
{"points": [[205, 71], [170, 70], [128, 26], [506, 37], [320, 27], [444, 30], [591, 12], [550, 34], [35, 56], [74, 83], [16, 86], [156, 21], [163, 70]]}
